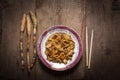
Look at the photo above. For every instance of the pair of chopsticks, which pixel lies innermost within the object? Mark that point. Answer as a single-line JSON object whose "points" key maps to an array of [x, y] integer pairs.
{"points": [[89, 53]]}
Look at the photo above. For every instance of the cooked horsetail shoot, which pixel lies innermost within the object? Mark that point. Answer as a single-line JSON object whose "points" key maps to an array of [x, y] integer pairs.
{"points": [[59, 48]]}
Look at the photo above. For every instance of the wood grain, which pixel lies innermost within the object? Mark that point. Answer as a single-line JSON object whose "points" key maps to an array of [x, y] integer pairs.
{"points": [[105, 22], [63, 12], [101, 15], [10, 59]]}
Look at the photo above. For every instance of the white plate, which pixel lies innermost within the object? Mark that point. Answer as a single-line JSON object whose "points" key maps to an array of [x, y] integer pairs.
{"points": [[59, 66]]}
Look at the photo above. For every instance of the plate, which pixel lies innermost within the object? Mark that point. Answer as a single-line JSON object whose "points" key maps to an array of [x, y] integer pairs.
{"points": [[59, 66]]}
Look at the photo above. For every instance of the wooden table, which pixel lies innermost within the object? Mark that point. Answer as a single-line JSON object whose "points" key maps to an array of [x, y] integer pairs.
{"points": [[101, 15]]}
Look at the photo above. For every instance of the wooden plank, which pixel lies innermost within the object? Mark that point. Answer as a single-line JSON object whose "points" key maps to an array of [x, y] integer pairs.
{"points": [[105, 22], [102, 15], [60, 12], [9, 58]]}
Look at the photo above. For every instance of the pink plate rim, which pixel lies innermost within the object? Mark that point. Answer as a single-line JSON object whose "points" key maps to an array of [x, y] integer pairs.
{"points": [[44, 61]]}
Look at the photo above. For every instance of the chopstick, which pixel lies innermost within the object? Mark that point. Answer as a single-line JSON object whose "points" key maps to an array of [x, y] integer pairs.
{"points": [[91, 44], [86, 46], [89, 54]]}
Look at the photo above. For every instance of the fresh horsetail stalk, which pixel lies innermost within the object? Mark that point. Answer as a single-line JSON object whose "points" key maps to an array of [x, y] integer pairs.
{"points": [[28, 42], [34, 21], [21, 40], [26, 21]]}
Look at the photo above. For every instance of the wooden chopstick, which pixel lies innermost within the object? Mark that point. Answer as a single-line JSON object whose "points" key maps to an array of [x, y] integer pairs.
{"points": [[86, 46], [91, 44]]}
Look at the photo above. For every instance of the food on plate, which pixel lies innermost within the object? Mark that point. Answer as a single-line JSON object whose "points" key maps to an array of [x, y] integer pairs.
{"points": [[59, 48]]}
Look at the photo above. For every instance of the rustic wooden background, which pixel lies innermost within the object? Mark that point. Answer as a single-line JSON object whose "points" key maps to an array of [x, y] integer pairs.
{"points": [[101, 15]]}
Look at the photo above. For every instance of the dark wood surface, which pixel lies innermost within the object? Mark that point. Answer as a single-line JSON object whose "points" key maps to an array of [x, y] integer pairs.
{"points": [[101, 15]]}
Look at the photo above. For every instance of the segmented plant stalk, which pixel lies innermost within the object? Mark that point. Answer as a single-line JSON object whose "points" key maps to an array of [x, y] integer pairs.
{"points": [[28, 42], [21, 40], [34, 21]]}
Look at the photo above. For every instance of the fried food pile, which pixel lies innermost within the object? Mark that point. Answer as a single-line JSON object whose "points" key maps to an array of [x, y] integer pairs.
{"points": [[59, 48]]}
